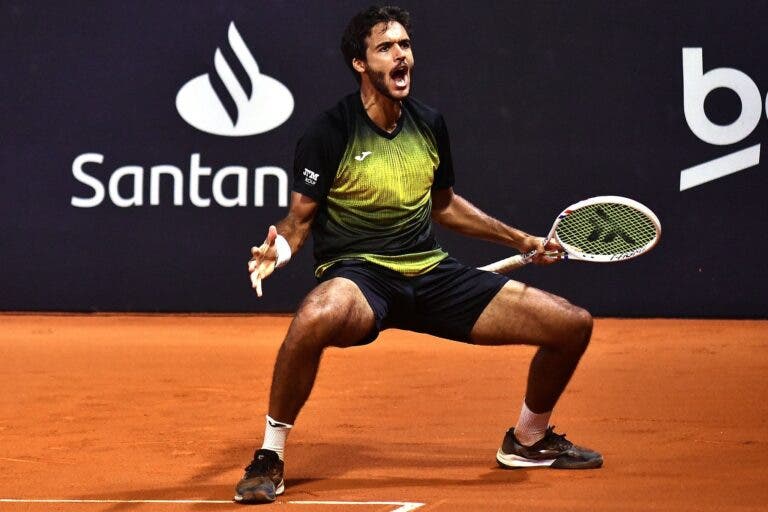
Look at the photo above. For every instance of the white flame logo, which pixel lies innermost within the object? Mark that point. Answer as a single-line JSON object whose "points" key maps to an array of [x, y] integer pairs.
{"points": [[269, 104]]}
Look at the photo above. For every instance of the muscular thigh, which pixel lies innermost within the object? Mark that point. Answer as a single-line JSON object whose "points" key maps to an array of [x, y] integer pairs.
{"points": [[334, 313], [521, 314]]}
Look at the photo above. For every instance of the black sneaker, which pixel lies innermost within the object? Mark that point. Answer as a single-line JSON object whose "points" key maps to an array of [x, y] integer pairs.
{"points": [[263, 479], [554, 451]]}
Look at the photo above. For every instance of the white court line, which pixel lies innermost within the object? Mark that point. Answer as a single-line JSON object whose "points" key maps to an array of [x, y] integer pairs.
{"points": [[402, 506]]}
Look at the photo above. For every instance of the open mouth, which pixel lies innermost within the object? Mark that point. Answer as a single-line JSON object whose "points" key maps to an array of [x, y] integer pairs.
{"points": [[400, 76]]}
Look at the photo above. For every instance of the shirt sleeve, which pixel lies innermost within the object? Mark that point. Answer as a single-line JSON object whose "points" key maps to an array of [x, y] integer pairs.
{"points": [[444, 177], [316, 160]]}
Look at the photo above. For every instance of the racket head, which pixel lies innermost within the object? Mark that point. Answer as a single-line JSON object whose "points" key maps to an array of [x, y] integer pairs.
{"points": [[606, 229]]}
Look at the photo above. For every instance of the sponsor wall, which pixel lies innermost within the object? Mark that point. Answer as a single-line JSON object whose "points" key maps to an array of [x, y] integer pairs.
{"points": [[145, 146]]}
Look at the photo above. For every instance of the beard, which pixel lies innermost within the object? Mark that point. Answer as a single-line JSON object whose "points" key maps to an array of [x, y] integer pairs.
{"points": [[379, 82]]}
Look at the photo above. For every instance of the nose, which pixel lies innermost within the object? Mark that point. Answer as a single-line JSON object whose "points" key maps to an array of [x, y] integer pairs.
{"points": [[399, 52]]}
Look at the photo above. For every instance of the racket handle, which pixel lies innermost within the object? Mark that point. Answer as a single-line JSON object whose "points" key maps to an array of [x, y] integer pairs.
{"points": [[509, 264]]}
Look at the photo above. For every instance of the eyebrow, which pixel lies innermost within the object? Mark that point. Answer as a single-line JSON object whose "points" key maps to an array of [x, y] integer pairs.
{"points": [[390, 43]]}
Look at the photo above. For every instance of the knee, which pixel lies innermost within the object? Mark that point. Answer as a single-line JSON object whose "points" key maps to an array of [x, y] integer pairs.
{"points": [[333, 314], [319, 324], [582, 328], [313, 326], [315, 314]]}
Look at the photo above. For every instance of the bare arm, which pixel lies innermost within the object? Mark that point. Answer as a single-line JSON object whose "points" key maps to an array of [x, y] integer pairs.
{"points": [[452, 211], [294, 228], [296, 225]]}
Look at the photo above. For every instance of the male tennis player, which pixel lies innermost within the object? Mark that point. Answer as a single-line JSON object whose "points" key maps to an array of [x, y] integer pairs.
{"points": [[370, 176]]}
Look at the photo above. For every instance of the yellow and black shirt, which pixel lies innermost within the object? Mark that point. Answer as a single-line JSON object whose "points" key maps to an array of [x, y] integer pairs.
{"points": [[374, 187]]}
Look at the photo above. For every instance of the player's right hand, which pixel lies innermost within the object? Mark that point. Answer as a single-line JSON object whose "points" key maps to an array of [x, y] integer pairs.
{"points": [[263, 259]]}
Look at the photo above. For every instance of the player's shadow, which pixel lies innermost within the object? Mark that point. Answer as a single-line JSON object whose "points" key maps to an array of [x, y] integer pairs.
{"points": [[304, 487], [321, 467]]}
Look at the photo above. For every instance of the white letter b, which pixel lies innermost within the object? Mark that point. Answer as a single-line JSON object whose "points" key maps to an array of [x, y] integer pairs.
{"points": [[697, 85]]}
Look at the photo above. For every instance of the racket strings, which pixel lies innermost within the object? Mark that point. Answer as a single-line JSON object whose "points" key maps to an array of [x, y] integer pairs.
{"points": [[606, 229]]}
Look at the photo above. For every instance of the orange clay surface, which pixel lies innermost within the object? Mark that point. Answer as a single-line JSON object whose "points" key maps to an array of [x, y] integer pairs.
{"points": [[116, 411]]}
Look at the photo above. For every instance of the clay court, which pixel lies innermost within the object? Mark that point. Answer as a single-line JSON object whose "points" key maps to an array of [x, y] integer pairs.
{"points": [[161, 413]]}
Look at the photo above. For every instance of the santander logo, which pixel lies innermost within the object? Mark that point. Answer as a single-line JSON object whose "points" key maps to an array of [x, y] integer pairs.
{"points": [[268, 104]]}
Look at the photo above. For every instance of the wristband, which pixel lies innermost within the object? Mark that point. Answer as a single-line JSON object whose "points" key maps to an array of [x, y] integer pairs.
{"points": [[283, 251]]}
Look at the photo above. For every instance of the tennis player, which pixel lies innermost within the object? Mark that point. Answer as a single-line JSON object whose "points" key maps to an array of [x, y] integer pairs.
{"points": [[371, 175]]}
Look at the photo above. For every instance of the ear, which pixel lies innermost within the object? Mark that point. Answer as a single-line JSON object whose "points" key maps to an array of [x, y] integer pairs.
{"points": [[358, 65]]}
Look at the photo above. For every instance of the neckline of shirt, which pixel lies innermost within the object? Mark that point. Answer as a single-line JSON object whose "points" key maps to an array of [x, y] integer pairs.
{"points": [[375, 127]]}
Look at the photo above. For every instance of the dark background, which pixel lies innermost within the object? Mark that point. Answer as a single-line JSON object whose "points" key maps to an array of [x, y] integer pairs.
{"points": [[547, 103]]}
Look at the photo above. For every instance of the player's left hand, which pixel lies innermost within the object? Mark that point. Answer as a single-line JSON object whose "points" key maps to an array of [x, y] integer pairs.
{"points": [[547, 251]]}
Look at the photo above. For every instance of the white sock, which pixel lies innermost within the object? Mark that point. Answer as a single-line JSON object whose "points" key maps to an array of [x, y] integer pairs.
{"points": [[531, 427], [275, 435]]}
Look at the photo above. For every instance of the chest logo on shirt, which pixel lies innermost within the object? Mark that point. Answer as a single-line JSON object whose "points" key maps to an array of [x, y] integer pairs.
{"points": [[362, 155], [310, 177]]}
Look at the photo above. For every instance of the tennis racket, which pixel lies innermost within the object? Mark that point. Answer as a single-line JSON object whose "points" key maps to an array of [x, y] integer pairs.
{"points": [[604, 229]]}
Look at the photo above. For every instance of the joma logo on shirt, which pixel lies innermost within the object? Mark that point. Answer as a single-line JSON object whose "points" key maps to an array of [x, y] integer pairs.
{"points": [[310, 177]]}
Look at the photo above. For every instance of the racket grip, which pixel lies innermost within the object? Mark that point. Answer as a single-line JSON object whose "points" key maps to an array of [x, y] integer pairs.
{"points": [[507, 264]]}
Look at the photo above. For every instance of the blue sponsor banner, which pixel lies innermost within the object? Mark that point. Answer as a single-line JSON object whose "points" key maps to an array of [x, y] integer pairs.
{"points": [[146, 146]]}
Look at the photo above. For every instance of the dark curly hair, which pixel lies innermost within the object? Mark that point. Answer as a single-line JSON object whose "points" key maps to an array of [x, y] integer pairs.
{"points": [[359, 28]]}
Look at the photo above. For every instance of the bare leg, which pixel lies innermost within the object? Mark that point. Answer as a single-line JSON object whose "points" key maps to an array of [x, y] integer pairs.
{"points": [[335, 313], [523, 315]]}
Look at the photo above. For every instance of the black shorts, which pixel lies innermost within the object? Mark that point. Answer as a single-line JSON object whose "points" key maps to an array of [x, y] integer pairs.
{"points": [[444, 302]]}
